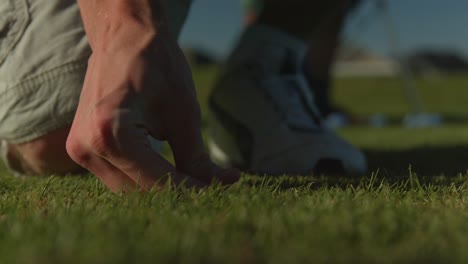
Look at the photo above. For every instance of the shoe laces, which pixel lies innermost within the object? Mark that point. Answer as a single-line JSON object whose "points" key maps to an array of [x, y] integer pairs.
{"points": [[292, 96]]}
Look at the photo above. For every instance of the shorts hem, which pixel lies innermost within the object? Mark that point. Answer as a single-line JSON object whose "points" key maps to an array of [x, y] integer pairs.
{"points": [[31, 85], [42, 131]]}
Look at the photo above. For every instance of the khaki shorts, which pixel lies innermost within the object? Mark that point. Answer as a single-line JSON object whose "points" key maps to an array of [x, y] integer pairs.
{"points": [[43, 58]]}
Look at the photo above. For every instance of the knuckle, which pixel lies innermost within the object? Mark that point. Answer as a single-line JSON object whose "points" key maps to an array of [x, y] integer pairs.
{"points": [[77, 151], [96, 137], [101, 137]]}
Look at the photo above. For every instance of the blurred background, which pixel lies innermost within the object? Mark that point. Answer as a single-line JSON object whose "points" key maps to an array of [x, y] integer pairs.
{"points": [[405, 43], [410, 57], [422, 25]]}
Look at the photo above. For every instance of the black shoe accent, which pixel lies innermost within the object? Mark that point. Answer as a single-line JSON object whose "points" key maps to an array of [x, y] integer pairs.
{"points": [[329, 166]]}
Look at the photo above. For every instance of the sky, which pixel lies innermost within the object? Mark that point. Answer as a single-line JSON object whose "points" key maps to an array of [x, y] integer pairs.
{"points": [[215, 25]]}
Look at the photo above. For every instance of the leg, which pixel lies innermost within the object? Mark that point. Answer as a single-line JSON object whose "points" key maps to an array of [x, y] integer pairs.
{"points": [[44, 155], [178, 11], [40, 82], [298, 17], [321, 55], [322, 51]]}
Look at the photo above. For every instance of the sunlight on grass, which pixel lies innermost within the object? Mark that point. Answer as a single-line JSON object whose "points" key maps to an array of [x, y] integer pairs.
{"points": [[410, 208]]}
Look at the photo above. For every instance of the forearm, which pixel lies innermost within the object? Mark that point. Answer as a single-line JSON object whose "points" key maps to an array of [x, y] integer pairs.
{"points": [[118, 24]]}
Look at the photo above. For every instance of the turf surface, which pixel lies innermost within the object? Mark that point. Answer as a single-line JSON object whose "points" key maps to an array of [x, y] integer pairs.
{"points": [[411, 208]]}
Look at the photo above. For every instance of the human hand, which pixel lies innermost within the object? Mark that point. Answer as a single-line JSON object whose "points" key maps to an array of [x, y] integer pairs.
{"points": [[138, 84]]}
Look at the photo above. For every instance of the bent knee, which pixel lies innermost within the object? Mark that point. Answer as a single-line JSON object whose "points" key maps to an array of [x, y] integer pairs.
{"points": [[44, 155]]}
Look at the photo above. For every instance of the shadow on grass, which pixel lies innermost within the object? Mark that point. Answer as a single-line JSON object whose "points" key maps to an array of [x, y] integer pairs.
{"points": [[424, 161], [447, 119], [431, 165], [373, 182]]}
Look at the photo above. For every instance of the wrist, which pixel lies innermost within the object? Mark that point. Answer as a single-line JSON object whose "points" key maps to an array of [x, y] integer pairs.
{"points": [[123, 24]]}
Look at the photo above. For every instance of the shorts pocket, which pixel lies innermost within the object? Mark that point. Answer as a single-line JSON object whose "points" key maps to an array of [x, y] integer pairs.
{"points": [[14, 18]]}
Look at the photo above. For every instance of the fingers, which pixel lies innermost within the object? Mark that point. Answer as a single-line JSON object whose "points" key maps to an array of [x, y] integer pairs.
{"points": [[204, 169], [115, 179], [110, 130], [112, 177], [120, 154], [192, 159], [125, 177], [135, 157]]}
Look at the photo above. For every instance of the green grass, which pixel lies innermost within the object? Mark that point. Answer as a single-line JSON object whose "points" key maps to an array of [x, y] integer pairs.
{"points": [[399, 213]]}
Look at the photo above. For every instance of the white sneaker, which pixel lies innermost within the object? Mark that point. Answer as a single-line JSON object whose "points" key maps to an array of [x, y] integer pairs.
{"points": [[262, 114]]}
